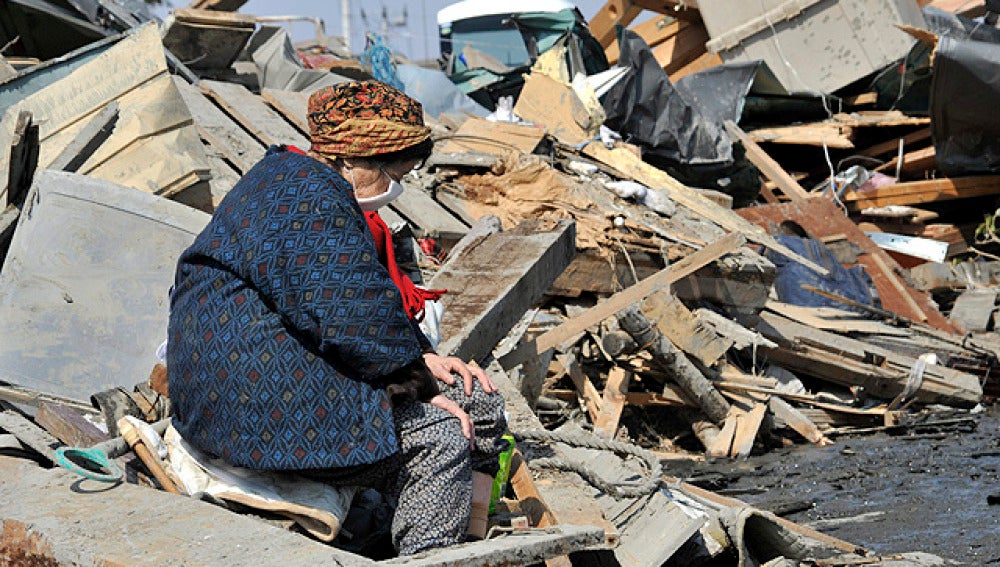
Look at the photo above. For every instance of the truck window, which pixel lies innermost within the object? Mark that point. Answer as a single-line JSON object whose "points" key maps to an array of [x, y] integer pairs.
{"points": [[487, 34]]}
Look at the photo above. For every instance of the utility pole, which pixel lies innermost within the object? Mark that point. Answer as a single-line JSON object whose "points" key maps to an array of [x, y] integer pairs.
{"points": [[345, 23]]}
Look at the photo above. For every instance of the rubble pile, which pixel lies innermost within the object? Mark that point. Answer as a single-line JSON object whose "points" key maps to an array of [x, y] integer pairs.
{"points": [[728, 236]]}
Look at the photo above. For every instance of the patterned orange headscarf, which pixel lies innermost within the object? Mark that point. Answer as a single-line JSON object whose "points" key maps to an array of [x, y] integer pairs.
{"points": [[364, 119]]}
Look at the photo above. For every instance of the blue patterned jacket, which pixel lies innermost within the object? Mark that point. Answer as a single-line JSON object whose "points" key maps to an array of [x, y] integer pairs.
{"points": [[281, 320]]}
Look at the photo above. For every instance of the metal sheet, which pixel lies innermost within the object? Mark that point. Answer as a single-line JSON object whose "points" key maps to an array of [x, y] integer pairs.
{"points": [[83, 291]]}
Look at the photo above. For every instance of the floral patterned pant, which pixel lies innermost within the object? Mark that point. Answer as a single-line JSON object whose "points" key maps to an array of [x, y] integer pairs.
{"points": [[430, 478]]}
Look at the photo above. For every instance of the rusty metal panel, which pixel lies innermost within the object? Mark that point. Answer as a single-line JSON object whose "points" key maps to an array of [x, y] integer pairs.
{"points": [[821, 219]]}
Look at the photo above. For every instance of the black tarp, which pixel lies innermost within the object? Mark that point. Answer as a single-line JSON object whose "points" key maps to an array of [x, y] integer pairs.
{"points": [[965, 91], [679, 127]]}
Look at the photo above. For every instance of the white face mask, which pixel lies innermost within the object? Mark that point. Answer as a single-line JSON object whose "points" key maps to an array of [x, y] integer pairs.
{"points": [[375, 203]]}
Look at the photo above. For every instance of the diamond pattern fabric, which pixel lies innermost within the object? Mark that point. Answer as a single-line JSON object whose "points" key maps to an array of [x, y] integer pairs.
{"points": [[281, 320]]}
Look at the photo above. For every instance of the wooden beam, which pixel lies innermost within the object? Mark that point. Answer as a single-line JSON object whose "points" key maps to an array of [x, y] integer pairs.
{"points": [[927, 191], [770, 168], [427, 217], [233, 143], [893, 145], [68, 425], [251, 112], [747, 428], [841, 360], [723, 443], [87, 140], [613, 13], [585, 389], [614, 400], [293, 105], [914, 162], [623, 299], [497, 281], [796, 420]]}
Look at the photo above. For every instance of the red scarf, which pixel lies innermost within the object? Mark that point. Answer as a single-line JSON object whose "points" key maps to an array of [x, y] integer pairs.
{"points": [[413, 296]]}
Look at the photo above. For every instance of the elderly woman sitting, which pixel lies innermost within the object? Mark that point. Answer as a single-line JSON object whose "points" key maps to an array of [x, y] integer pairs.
{"points": [[293, 339]]}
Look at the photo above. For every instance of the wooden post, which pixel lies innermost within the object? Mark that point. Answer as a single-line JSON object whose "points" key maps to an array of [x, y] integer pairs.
{"points": [[615, 398], [692, 381]]}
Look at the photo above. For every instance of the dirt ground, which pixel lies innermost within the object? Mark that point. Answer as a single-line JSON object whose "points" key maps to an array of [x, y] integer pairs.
{"points": [[935, 491]]}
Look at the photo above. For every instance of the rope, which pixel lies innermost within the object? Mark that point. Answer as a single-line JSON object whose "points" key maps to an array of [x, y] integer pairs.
{"points": [[617, 491]]}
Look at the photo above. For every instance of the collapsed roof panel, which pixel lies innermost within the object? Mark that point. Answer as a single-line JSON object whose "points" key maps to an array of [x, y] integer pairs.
{"points": [[83, 292]]}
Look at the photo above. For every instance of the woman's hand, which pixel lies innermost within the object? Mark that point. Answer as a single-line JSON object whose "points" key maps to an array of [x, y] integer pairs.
{"points": [[441, 402], [442, 368]]}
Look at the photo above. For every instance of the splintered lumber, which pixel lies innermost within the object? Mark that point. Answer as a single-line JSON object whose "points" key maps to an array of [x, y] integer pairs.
{"points": [[770, 168], [625, 298], [796, 420], [498, 280], [927, 191], [293, 105], [747, 427], [722, 444], [640, 171], [689, 378], [614, 400], [87, 140], [250, 111], [849, 362], [30, 434], [215, 127], [623, 12], [585, 389], [832, 134], [683, 329]]}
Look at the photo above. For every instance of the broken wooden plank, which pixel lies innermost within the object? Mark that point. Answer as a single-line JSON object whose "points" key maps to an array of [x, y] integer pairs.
{"points": [[841, 360], [293, 105], [622, 299], [497, 281], [87, 140], [722, 445], [683, 329], [926, 191], [893, 145], [233, 143], [747, 428], [832, 134], [914, 163], [770, 168], [796, 420], [250, 111], [613, 402], [835, 320], [585, 389], [68, 425]]}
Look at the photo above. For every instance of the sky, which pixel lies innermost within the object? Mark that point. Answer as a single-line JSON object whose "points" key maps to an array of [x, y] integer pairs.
{"points": [[416, 38]]}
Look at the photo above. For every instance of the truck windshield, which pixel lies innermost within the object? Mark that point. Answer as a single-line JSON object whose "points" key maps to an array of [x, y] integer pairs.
{"points": [[486, 34]]}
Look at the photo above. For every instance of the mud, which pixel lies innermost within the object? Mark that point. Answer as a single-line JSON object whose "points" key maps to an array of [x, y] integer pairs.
{"points": [[925, 490]]}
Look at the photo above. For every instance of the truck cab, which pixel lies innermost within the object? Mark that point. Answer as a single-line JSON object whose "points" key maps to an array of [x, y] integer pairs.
{"points": [[486, 45]]}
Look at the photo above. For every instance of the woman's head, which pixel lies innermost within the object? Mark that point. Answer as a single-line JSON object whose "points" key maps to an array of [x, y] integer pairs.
{"points": [[368, 120], [370, 131]]}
